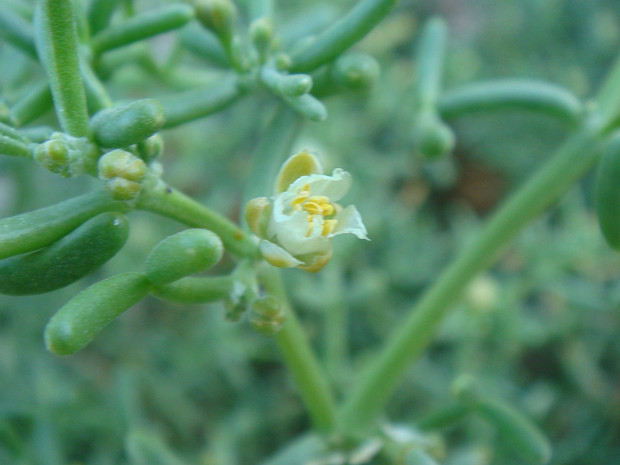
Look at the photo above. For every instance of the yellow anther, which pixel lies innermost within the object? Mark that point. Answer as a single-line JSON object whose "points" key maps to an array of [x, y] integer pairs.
{"points": [[328, 209], [313, 208], [328, 227], [320, 199]]}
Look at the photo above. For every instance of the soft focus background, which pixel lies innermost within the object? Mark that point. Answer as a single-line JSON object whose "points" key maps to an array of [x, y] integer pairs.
{"points": [[540, 330]]}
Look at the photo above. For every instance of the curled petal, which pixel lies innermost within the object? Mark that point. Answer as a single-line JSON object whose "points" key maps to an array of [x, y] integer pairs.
{"points": [[301, 164], [335, 186], [315, 263], [350, 221]]}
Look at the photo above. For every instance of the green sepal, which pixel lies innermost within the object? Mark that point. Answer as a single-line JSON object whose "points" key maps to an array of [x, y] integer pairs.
{"points": [[84, 316]]}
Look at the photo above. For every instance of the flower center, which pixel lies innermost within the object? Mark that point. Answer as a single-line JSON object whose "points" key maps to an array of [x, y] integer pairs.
{"points": [[318, 207]]}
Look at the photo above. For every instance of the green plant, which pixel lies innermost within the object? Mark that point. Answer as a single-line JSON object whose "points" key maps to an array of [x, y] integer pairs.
{"points": [[83, 49]]}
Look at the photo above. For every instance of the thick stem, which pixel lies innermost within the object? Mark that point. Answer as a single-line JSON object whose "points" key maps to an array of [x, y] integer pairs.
{"points": [[431, 52], [161, 199], [17, 31], [299, 358], [513, 94], [378, 382], [191, 105], [57, 45], [341, 35], [142, 27]]}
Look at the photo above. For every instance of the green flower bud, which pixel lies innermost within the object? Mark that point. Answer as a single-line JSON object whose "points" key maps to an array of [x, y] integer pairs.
{"points": [[123, 174], [282, 61], [128, 124], [267, 315], [238, 302], [151, 148], [182, 254], [53, 155], [122, 189], [218, 16], [66, 155], [356, 71], [257, 214]]}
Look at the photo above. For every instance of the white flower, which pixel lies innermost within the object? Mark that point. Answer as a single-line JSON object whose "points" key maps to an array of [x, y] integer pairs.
{"points": [[297, 225]]}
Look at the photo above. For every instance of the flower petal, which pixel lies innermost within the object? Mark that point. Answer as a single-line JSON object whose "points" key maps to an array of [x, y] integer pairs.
{"points": [[294, 238], [350, 221], [277, 256], [334, 187], [316, 262], [301, 164]]}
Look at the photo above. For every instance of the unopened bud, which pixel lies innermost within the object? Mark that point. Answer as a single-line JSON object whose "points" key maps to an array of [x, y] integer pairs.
{"points": [[267, 315], [123, 174], [149, 149], [63, 154]]}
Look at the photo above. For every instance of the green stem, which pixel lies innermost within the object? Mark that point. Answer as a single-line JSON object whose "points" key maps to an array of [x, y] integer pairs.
{"points": [[97, 97], [344, 33], [204, 44], [446, 417], [36, 102], [8, 131], [335, 311], [299, 358], [99, 14], [12, 147], [161, 199], [142, 26], [196, 289], [191, 105], [430, 59], [378, 382], [57, 44], [17, 31], [513, 94]]}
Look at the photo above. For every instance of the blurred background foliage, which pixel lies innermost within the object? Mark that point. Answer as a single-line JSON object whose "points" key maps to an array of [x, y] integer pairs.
{"points": [[540, 330]]}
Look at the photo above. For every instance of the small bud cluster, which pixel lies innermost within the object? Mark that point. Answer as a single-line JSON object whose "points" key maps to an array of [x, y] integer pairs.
{"points": [[66, 155], [123, 174]]}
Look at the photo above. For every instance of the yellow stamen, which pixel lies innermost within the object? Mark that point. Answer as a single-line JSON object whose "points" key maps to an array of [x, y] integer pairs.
{"points": [[310, 225], [313, 208], [315, 205], [328, 227]]}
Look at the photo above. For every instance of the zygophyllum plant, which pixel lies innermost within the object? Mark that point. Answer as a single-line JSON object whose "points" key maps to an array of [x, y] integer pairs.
{"points": [[80, 120]]}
